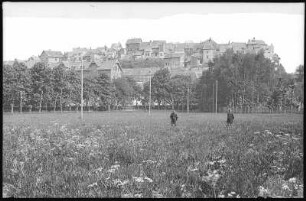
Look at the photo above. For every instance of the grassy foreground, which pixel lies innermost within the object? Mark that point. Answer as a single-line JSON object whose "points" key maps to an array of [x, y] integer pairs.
{"points": [[132, 154]]}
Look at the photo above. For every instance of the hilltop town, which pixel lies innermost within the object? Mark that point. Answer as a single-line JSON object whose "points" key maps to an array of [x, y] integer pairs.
{"points": [[138, 58]]}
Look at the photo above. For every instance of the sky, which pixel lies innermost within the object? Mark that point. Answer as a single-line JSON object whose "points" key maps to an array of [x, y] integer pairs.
{"points": [[30, 28]]}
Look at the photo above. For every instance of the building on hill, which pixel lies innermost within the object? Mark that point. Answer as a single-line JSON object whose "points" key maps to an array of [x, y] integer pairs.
{"points": [[209, 50], [172, 61], [147, 52], [169, 48], [48, 56], [255, 45], [32, 61], [238, 47], [112, 68], [132, 45]]}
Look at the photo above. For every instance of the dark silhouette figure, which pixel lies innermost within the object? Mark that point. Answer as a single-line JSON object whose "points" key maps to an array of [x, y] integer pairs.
{"points": [[230, 118], [173, 118]]}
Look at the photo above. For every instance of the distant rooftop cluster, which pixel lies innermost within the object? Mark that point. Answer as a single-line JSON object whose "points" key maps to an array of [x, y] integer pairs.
{"points": [[177, 57]]}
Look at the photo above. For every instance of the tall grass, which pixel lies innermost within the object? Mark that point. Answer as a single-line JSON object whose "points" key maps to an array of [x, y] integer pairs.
{"points": [[137, 155]]}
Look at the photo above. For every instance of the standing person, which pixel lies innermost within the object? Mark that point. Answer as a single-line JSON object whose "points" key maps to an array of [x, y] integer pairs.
{"points": [[173, 118], [230, 117]]}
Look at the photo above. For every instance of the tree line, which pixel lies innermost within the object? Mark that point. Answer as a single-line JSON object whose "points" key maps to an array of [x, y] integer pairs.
{"points": [[246, 83]]}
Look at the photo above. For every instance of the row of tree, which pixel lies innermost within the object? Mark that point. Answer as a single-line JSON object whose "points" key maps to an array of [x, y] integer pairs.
{"points": [[245, 82], [42, 88]]}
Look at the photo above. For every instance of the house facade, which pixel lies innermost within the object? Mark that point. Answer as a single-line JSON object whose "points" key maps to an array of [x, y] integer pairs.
{"points": [[209, 50], [48, 56], [132, 45], [111, 68]]}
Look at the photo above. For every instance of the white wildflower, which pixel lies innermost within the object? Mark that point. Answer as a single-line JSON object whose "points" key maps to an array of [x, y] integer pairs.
{"points": [[92, 185], [221, 196], [292, 180], [238, 196], [285, 187], [138, 179], [115, 166], [128, 195], [222, 161], [111, 170], [211, 162], [123, 183], [138, 195], [257, 132], [148, 179]]}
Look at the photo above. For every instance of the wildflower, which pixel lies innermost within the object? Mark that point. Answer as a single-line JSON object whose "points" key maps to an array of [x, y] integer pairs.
{"points": [[222, 161], [98, 169], [156, 194], [262, 191], [111, 170], [285, 187], [221, 196], [138, 195], [128, 195], [115, 166], [190, 169], [117, 181], [123, 183], [238, 196], [92, 185], [138, 179], [292, 180], [211, 162], [257, 132], [149, 161], [148, 179]]}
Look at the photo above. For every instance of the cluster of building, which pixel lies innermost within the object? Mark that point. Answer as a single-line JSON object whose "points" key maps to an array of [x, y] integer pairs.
{"points": [[179, 58]]}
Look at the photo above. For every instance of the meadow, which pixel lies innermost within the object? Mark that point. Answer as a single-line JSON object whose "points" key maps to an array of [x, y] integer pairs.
{"points": [[133, 154]]}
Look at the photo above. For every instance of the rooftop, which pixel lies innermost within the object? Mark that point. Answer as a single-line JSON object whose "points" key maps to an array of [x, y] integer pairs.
{"points": [[51, 53]]}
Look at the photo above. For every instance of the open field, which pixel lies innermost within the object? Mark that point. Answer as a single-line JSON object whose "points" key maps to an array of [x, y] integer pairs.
{"points": [[132, 154]]}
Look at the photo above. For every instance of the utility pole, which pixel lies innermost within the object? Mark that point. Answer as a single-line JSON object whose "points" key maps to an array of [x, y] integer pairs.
{"points": [[188, 99], [20, 101], [82, 91], [213, 99], [216, 96], [150, 96]]}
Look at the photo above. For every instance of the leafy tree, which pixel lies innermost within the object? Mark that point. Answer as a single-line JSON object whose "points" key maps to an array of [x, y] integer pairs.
{"points": [[16, 84], [123, 91], [160, 86]]}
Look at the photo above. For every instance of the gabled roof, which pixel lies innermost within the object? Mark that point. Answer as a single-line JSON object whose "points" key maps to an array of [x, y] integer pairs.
{"points": [[210, 45], [133, 40], [108, 65], [254, 42], [53, 53]]}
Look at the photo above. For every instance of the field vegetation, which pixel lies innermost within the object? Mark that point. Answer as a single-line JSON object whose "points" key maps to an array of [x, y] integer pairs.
{"points": [[132, 154]]}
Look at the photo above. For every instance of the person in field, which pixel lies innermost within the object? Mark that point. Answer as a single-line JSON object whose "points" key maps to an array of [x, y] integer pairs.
{"points": [[173, 117], [230, 117]]}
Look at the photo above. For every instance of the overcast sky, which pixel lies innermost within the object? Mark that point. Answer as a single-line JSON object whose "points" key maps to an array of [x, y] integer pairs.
{"points": [[30, 28]]}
